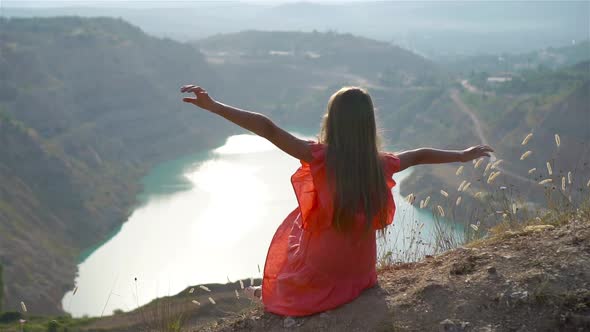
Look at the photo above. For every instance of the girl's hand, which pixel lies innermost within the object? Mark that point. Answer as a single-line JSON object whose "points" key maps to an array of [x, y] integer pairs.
{"points": [[475, 152], [202, 98]]}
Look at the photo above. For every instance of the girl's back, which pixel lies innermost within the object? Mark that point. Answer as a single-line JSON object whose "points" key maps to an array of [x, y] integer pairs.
{"points": [[312, 266]]}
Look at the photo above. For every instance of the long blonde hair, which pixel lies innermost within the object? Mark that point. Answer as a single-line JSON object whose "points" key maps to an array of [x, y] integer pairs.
{"points": [[353, 163]]}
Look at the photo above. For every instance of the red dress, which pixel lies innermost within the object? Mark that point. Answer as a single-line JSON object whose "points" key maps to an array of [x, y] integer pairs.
{"points": [[310, 266]]}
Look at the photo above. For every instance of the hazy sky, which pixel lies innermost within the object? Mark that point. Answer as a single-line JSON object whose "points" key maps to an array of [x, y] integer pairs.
{"points": [[51, 3]]}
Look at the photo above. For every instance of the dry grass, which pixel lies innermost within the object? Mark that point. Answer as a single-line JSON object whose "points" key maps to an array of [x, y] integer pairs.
{"points": [[489, 203]]}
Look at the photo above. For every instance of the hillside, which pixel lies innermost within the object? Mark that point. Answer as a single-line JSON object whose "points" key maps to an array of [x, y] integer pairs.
{"points": [[321, 50], [533, 277], [544, 104], [87, 106]]}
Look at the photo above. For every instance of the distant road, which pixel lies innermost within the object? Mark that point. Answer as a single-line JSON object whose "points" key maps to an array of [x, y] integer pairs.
{"points": [[473, 89], [469, 87], [463, 108], [479, 128]]}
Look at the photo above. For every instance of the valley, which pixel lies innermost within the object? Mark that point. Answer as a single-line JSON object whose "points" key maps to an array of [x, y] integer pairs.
{"points": [[89, 105]]}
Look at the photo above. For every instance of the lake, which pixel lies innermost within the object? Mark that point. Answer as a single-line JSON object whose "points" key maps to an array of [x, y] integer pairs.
{"points": [[206, 218]]}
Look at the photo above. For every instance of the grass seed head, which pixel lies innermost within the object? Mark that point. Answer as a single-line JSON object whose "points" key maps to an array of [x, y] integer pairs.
{"points": [[444, 193], [527, 139], [545, 181], [513, 208], [525, 155], [478, 163], [569, 177], [488, 166], [532, 170], [466, 186], [211, 300], [441, 211], [493, 176], [459, 170], [196, 302], [496, 163], [549, 169], [458, 200], [461, 185], [23, 306], [204, 288], [557, 140]]}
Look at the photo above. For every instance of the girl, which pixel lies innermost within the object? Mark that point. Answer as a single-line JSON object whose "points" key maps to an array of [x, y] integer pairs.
{"points": [[323, 255]]}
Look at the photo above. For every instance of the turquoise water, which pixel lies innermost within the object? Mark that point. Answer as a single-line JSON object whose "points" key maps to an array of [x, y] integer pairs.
{"points": [[208, 217]]}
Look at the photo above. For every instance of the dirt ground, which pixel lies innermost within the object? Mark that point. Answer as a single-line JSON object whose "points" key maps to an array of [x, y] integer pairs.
{"points": [[537, 279]]}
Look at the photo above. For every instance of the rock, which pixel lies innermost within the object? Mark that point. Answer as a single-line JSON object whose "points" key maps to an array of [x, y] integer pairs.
{"points": [[448, 325], [487, 328], [538, 228], [463, 266], [498, 297], [483, 255], [492, 270], [289, 322], [519, 295]]}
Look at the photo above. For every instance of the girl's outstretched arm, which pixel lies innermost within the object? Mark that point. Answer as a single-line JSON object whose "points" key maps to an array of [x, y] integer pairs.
{"points": [[254, 122], [435, 156]]}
